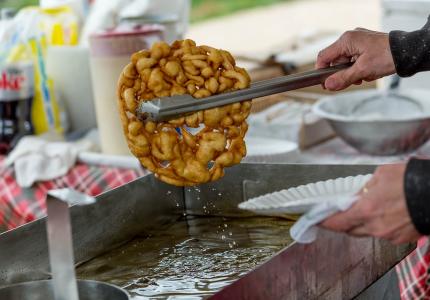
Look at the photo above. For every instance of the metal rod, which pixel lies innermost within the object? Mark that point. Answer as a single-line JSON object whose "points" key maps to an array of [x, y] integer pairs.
{"points": [[170, 107], [60, 245]]}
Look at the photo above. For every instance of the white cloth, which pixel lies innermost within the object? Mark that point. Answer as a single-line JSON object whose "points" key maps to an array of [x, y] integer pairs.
{"points": [[305, 230], [40, 158]]}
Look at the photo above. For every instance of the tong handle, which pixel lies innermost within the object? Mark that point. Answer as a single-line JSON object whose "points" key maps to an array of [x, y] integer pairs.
{"points": [[171, 107]]}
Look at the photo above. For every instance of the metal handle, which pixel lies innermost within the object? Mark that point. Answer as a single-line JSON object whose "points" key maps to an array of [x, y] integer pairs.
{"points": [[61, 250], [171, 107]]}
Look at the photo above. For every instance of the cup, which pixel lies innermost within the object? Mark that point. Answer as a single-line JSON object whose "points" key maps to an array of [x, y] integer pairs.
{"points": [[109, 53]]}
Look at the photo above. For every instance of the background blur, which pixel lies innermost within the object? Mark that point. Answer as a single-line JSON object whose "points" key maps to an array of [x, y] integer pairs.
{"points": [[267, 37], [201, 9]]}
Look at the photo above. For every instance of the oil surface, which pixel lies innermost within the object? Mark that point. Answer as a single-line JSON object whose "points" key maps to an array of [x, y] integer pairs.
{"points": [[190, 259]]}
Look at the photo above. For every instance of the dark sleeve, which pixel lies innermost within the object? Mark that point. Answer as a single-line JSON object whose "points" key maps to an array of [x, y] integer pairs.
{"points": [[411, 50], [417, 192]]}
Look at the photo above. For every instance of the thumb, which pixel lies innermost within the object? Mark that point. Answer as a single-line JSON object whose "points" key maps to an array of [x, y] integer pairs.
{"points": [[344, 78]]}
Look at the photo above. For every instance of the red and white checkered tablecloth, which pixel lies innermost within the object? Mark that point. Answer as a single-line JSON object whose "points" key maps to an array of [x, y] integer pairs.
{"points": [[19, 206], [414, 272]]}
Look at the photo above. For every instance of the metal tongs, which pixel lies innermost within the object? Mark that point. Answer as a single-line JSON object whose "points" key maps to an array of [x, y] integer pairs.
{"points": [[161, 109]]}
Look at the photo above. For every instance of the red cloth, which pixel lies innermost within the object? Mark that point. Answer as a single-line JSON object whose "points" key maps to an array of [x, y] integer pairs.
{"points": [[21, 205], [414, 272]]}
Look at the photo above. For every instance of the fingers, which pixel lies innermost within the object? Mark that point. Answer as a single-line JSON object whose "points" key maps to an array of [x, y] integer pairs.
{"points": [[359, 231], [341, 51], [343, 221], [373, 181], [397, 236], [330, 54], [345, 78]]}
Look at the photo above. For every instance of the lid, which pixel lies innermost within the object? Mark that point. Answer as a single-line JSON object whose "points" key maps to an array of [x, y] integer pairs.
{"points": [[150, 19], [124, 40], [121, 31]]}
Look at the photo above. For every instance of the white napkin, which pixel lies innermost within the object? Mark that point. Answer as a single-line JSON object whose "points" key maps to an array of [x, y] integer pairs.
{"points": [[305, 230], [40, 158]]}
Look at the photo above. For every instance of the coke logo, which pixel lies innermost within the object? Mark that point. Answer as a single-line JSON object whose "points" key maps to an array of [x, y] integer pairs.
{"points": [[12, 82]]}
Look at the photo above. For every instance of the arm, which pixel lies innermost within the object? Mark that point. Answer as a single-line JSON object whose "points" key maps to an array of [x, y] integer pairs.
{"points": [[411, 50], [395, 204], [417, 193]]}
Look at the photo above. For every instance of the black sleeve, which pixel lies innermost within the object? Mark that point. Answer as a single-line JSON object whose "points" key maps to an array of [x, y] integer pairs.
{"points": [[411, 50], [417, 193]]}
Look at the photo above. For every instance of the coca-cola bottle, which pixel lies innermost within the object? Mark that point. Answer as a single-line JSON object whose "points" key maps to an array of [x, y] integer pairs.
{"points": [[16, 98]]}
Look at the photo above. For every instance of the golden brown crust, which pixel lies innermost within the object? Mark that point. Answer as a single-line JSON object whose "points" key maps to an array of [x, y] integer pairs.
{"points": [[182, 158]]}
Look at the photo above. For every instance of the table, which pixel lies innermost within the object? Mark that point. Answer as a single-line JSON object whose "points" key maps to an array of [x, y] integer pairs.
{"points": [[21, 205]]}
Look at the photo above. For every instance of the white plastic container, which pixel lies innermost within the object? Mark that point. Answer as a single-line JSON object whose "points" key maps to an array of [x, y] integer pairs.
{"points": [[73, 83], [407, 15]]}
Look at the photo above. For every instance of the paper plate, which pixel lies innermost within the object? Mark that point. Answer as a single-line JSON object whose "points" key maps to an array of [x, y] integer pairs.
{"points": [[267, 150], [299, 200]]}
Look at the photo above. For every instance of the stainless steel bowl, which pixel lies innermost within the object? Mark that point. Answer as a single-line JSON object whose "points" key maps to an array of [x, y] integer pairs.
{"points": [[43, 290], [391, 130]]}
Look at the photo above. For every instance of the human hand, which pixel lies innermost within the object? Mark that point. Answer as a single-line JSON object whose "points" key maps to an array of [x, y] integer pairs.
{"points": [[370, 50], [380, 211]]}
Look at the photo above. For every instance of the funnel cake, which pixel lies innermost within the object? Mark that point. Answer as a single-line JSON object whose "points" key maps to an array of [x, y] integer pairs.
{"points": [[196, 148]]}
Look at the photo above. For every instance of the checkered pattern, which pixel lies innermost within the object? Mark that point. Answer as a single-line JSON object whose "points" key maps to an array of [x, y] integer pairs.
{"points": [[414, 273], [21, 205]]}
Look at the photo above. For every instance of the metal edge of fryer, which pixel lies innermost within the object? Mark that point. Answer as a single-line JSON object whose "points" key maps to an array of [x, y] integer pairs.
{"points": [[110, 222], [335, 265]]}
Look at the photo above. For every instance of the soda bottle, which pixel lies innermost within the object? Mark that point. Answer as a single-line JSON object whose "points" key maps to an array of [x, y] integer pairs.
{"points": [[16, 97]]}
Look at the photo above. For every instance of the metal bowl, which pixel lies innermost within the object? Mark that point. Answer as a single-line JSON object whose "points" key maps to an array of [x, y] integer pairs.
{"points": [[43, 290], [391, 130]]}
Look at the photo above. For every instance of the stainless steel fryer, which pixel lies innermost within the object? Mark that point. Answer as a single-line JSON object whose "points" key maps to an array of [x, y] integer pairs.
{"points": [[334, 267]]}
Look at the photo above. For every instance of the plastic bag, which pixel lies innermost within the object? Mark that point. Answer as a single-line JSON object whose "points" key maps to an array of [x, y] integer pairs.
{"points": [[24, 39]]}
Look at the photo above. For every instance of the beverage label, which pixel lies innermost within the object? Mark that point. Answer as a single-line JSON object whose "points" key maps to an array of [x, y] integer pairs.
{"points": [[16, 81]]}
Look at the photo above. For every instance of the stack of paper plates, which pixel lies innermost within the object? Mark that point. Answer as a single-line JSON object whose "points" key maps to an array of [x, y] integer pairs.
{"points": [[268, 150], [299, 200]]}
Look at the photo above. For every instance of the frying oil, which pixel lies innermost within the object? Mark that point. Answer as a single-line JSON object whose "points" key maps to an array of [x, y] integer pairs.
{"points": [[190, 259]]}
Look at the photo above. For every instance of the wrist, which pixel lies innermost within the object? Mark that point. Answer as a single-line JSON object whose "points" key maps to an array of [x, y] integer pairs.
{"points": [[410, 51], [389, 64]]}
